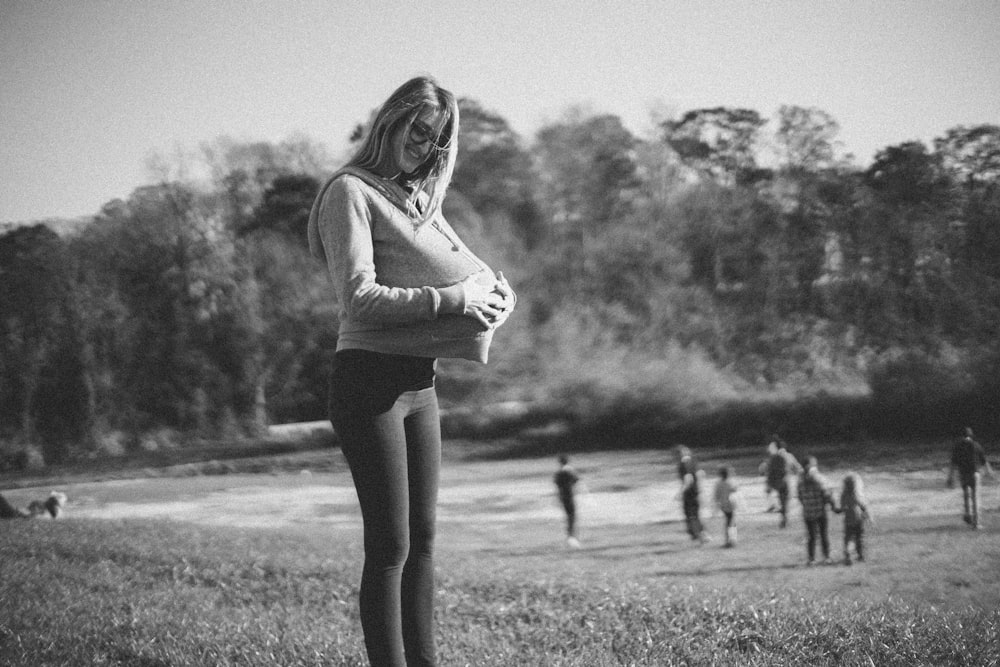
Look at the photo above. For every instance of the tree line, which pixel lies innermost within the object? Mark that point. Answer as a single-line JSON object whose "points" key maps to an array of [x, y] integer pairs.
{"points": [[726, 259]]}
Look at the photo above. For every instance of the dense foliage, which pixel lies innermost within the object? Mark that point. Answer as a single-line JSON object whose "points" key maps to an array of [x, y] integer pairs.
{"points": [[686, 274]]}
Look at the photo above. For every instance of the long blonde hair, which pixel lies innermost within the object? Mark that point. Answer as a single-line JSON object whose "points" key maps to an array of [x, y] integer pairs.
{"points": [[403, 107]]}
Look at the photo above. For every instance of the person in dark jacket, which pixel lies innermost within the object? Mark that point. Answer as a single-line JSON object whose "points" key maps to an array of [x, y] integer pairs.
{"points": [[690, 475], [780, 467], [565, 480], [967, 459]]}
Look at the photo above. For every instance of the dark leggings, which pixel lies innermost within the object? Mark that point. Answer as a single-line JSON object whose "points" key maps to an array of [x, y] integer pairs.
{"points": [[392, 442]]}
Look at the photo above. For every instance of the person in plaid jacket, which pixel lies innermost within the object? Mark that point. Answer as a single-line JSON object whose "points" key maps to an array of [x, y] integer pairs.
{"points": [[815, 496]]}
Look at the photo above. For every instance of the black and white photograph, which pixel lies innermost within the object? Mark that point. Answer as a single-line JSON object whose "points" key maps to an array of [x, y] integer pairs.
{"points": [[340, 333]]}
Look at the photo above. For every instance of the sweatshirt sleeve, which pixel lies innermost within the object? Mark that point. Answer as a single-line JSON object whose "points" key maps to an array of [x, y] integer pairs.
{"points": [[345, 230]]}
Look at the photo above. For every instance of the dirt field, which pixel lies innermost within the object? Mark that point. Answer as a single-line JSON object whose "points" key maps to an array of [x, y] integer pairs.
{"points": [[505, 515], [630, 489]]}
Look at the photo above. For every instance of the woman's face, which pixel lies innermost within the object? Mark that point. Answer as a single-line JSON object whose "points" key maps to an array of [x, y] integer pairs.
{"points": [[411, 146]]}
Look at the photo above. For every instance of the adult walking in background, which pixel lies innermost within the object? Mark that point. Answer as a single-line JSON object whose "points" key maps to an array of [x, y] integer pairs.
{"points": [[566, 480], [763, 469], [967, 459], [815, 495], [409, 291], [781, 466]]}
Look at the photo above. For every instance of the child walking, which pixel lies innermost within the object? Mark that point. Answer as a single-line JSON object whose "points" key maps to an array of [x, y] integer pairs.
{"points": [[690, 475], [725, 500], [814, 494], [566, 480], [856, 513]]}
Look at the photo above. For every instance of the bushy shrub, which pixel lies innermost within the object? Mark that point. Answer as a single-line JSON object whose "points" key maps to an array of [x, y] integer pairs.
{"points": [[919, 392]]}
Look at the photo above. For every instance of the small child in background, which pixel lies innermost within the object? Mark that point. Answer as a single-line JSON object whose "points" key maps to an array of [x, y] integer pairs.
{"points": [[726, 500], [691, 477], [566, 480], [856, 513]]}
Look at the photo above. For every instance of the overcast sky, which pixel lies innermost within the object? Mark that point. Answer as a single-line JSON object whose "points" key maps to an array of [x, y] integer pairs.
{"points": [[89, 88]]}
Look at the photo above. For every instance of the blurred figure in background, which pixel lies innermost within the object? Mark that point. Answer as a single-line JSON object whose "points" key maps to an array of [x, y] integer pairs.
{"points": [[854, 507], [8, 511], [53, 506], [726, 493], [781, 466], [967, 459], [770, 493], [815, 496], [566, 479], [690, 475]]}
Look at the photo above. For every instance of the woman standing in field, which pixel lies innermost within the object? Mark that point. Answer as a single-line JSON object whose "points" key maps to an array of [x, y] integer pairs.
{"points": [[409, 292]]}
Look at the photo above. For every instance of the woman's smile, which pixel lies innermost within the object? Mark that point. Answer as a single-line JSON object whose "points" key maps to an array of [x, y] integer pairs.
{"points": [[416, 141], [418, 153]]}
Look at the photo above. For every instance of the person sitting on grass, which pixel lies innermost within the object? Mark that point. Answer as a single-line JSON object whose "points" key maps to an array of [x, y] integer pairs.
{"points": [[8, 511], [52, 505], [815, 496], [765, 466]]}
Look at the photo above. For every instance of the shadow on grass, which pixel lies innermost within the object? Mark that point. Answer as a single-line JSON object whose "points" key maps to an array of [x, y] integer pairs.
{"points": [[926, 484], [736, 569], [934, 523]]}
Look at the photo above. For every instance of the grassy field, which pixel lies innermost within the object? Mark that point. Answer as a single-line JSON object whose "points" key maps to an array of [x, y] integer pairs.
{"points": [[261, 569]]}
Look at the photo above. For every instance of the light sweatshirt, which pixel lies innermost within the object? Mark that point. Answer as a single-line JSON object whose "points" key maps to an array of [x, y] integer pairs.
{"points": [[725, 495], [396, 279]]}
